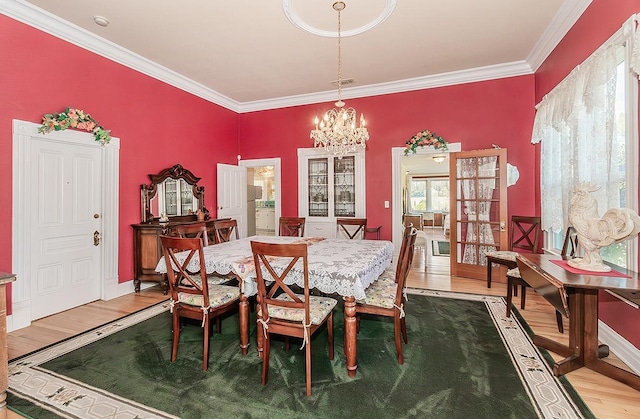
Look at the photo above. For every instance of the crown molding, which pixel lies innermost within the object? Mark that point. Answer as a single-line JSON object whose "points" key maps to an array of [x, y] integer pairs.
{"points": [[60, 28], [53, 25], [491, 72], [564, 19]]}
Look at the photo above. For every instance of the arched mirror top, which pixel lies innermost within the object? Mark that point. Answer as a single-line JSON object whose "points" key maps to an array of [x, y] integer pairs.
{"points": [[175, 193]]}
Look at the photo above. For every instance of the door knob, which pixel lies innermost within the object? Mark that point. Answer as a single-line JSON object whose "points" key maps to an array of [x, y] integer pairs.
{"points": [[96, 238]]}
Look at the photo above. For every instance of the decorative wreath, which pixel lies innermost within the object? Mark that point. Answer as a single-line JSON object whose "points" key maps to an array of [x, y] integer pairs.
{"points": [[424, 138], [74, 118]]}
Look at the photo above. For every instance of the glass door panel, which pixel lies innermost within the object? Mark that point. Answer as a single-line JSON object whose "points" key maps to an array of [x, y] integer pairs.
{"points": [[479, 209], [171, 196], [318, 187], [344, 187]]}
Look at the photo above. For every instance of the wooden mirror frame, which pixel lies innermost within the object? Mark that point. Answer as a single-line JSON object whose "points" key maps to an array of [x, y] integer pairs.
{"points": [[148, 192]]}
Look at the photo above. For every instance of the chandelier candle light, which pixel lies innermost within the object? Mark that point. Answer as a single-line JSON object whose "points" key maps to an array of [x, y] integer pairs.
{"points": [[337, 132]]}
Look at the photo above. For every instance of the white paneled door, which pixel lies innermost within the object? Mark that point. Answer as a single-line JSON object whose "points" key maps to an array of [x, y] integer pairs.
{"points": [[66, 226], [232, 195]]}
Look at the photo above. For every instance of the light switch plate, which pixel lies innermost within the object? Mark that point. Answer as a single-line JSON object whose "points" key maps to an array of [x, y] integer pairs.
{"points": [[386, 204]]}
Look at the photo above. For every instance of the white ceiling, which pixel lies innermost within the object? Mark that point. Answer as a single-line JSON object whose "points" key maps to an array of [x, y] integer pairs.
{"points": [[246, 54]]}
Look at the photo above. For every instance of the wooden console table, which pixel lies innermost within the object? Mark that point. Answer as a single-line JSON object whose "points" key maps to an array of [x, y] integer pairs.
{"points": [[5, 278], [577, 296]]}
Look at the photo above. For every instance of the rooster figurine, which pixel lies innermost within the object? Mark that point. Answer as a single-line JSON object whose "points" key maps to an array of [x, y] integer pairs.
{"points": [[594, 232]]}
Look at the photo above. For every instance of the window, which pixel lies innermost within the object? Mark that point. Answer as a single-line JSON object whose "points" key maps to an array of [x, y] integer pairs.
{"points": [[588, 129], [429, 195]]}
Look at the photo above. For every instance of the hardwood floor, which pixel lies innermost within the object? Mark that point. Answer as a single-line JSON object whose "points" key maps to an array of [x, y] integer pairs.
{"points": [[606, 398]]}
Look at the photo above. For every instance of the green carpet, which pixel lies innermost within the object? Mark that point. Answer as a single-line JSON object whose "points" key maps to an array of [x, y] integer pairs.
{"points": [[456, 366]]}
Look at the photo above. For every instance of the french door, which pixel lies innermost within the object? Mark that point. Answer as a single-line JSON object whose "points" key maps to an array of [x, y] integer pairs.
{"points": [[478, 209]]}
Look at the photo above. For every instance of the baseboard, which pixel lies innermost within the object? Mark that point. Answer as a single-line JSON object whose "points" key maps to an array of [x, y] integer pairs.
{"points": [[20, 316], [619, 346]]}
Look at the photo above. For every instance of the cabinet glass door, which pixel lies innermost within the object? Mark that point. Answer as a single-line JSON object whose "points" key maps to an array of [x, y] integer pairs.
{"points": [[318, 187], [171, 196], [186, 197], [344, 203]]}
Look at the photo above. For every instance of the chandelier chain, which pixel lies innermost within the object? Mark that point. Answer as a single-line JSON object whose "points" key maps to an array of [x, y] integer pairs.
{"points": [[339, 59], [338, 132]]}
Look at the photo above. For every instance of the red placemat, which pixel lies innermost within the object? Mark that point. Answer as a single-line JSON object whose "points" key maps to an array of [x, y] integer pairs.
{"points": [[563, 264]]}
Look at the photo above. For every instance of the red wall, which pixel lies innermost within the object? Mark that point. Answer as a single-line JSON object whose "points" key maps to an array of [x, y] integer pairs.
{"points": [[475, 114], [595, 26], [158, 125]]}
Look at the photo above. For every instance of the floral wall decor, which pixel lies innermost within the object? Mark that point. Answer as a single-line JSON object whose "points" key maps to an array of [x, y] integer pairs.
{"points": [[425, 138], [74, 118]]}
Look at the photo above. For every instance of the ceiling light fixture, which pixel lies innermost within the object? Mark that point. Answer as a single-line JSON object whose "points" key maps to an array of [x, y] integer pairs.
{"points": [[101, 21], [439, 158], [337, 132]]}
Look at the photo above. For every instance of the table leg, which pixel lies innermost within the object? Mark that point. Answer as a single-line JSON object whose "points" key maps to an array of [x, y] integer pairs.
{"points": [[593, 351], [244, 324], [350, 331]]}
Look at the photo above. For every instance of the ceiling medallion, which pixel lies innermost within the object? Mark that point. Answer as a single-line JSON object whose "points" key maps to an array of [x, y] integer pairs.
{"points": [[297, 21]]}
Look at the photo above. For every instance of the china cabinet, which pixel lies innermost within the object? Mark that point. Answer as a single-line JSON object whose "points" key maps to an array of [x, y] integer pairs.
{"points": [[329, 187]]}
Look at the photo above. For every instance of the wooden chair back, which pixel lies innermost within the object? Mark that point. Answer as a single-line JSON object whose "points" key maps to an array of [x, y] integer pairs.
{"points": [[225, 230], [570, 245], [525, 234], [405, 258], [292, 226], [352, 227], [264, 254], [180, 280], [197, 230]]}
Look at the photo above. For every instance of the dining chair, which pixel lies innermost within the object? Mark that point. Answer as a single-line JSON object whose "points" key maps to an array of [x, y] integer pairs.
{"points": [[292, 226], [225, 230], [195, 230], [351, 227], [200, 230], [280, 310], [386, 296], [191, 295], [524, 235], [514, 278]]}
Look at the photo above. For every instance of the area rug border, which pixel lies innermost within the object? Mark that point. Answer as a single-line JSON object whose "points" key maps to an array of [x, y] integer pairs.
{"points": [[548, 395], [56, 392]]}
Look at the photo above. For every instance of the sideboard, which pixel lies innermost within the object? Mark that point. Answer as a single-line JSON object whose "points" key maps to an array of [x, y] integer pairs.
{"points": [[147, 249]]}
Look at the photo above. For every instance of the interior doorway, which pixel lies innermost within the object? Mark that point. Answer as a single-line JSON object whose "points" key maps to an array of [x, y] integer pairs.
{"points": [[433, 232], [263, 196]]}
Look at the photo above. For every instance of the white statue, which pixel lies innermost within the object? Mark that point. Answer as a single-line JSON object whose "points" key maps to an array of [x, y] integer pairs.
{"points": [[595, 232]]}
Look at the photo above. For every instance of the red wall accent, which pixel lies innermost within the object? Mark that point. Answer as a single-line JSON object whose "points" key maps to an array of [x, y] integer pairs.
{"points": [[474, 114], [158, 125], [595, 26]]}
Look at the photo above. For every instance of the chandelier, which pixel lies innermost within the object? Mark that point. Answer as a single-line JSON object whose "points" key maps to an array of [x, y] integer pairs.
{"points": [[337, 132]]}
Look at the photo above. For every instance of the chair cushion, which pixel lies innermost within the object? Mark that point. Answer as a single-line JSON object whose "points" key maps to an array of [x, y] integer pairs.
{"points": [[514, 273], [389, 275], [218, 295], [381, 293], [503, 254], [319, 309], [212, 279]]}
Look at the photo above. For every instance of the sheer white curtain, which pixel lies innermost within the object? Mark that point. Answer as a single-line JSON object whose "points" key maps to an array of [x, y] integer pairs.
{"points": [[576, 125]]}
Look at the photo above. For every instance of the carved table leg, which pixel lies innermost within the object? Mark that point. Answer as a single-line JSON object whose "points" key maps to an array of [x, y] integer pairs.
{"points": [[136, 285], [350, 331], [244, 324]]}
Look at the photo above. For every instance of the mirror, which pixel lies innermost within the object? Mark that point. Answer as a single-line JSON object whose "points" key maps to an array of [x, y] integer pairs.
{"points": [[174, 192]]}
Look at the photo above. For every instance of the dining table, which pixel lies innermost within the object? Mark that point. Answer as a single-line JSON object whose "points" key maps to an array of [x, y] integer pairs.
{"points": [[335, 266]]}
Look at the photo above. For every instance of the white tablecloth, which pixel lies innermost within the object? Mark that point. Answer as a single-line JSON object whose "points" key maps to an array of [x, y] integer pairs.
{"points": [[346, 267]]}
